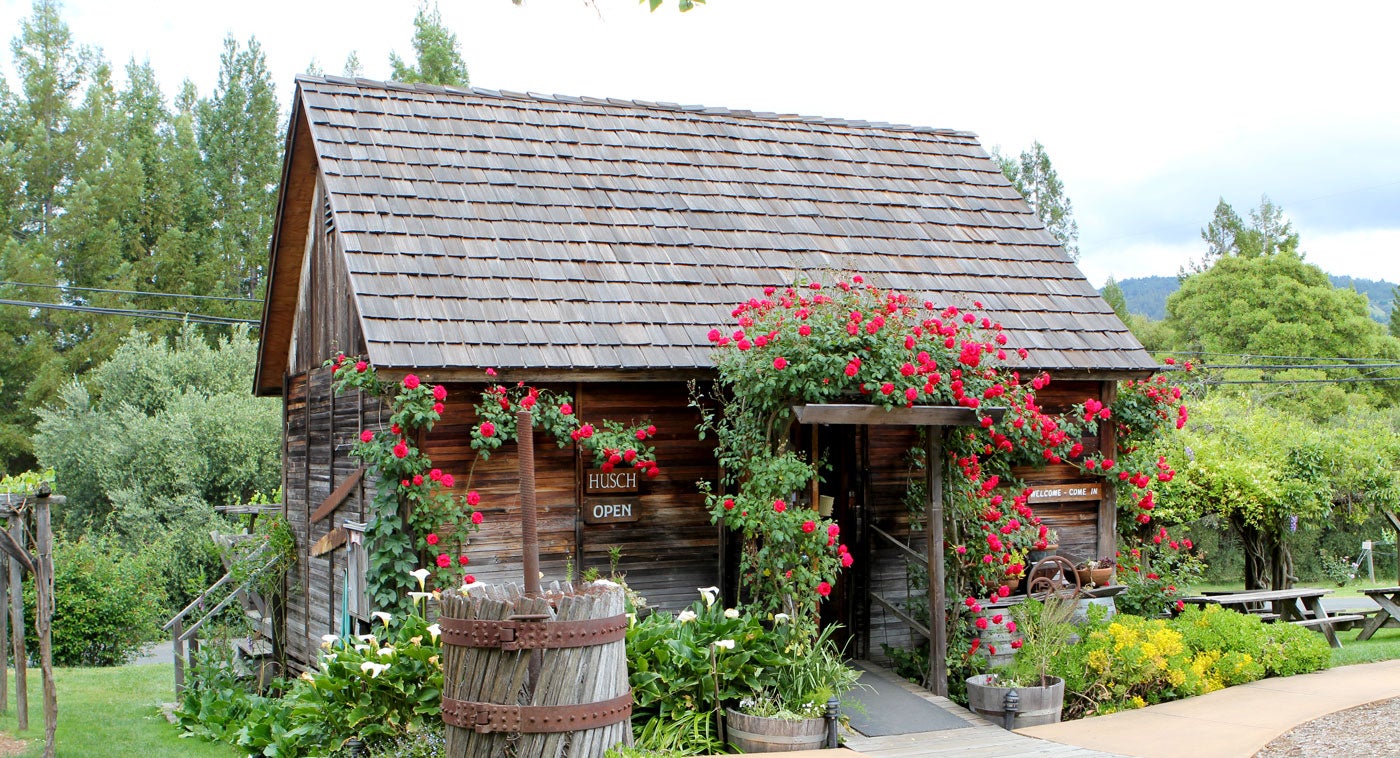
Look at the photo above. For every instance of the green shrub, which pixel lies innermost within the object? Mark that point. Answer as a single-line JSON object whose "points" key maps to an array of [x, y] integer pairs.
{"points": [[1292, 649], [106, 603]]}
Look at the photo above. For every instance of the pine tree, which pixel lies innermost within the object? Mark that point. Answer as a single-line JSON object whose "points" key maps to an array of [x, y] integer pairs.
{"points": [[1113, 295], [439, 54], [1033, 175]]}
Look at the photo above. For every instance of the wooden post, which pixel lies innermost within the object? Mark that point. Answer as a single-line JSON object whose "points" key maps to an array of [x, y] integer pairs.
{"points": [[43, 614], [1106, 543], [17, 624], [4, 636], [937, 602], [177, 646]]}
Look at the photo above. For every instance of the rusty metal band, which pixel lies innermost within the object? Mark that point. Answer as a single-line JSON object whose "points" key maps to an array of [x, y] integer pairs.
{"points": [[485, 718], [518, 634]]}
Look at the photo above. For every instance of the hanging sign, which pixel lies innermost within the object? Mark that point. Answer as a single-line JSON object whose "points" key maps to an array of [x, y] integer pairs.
{"points": [[1066, 492], [600, 482], [611, 510]]}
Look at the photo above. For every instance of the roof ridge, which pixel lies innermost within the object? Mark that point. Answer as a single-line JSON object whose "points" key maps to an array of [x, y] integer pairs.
{"points": [[624, 103]]}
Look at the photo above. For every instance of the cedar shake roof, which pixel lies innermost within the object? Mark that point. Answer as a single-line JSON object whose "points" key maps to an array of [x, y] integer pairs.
{"points": [[498, 229]]}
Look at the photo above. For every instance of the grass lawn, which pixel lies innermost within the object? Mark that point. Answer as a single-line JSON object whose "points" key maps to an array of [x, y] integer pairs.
{"points": [[109, 712], [1384, 645]]}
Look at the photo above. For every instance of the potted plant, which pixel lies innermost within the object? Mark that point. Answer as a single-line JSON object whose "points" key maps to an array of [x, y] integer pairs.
{"points": [[1097, 573], [790, 711], [1045, 632]]}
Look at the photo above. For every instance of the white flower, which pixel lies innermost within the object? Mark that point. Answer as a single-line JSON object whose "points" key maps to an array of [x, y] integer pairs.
{"points": [[362, 648], [386, 651], [726, 644], [781, 618], [731, 613], [709, 593], [382, 616], [329, 639], [419, 596], [685, 615], [373, 669], [368, 638], [422, 576], [435, 630]]}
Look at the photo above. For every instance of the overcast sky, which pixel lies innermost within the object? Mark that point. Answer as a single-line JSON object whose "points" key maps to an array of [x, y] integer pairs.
{"points": [[1151, 112]]}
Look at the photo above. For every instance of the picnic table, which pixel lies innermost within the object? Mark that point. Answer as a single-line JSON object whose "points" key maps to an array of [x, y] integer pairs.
{"points": [[1300, 605], [1388, 598]]}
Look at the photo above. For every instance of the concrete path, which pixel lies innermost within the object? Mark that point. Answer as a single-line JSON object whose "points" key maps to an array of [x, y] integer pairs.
{"points": [[154, 653], [1236, 721]]}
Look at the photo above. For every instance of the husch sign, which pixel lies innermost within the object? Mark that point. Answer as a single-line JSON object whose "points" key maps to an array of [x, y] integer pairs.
{"points": [[612, 497]]}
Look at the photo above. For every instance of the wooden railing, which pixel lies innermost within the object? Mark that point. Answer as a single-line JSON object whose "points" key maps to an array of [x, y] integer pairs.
{"points": [[185, 641], [884, 602]]}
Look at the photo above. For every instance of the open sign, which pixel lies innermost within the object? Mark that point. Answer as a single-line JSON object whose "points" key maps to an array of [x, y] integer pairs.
{"points": [[610, 510]]}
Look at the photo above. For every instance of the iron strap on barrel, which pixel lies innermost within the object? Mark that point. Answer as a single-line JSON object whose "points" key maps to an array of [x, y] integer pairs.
{"points": [[532, 633], [536, 719]]}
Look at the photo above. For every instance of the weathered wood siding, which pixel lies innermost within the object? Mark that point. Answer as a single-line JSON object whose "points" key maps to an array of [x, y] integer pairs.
{"points": [[319, 431], [669, 552], [326, 317]]}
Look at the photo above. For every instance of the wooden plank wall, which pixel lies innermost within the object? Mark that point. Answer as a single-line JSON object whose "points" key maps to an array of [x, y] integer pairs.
{"points": [[326, 319], [320, 430], [669, 552]]}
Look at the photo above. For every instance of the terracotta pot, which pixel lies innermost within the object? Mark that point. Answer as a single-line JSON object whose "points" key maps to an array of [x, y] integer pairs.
{"points": [[1099, 577]]}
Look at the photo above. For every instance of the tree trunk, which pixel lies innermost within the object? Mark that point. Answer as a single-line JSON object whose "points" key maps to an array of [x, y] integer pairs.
{"points": [[1257, 563]]}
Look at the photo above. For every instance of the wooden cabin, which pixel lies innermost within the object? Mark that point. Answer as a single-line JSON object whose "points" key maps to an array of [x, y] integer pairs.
{"points": [[589, 245]]}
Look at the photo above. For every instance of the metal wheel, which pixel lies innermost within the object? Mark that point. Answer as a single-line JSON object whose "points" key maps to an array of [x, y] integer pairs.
{"points": [[1053, 576]]}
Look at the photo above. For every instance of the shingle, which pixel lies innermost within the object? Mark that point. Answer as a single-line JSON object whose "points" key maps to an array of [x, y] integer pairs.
{"points": [[484, 227]]}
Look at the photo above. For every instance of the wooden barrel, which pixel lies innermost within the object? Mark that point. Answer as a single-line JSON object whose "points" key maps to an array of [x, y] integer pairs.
{"points": [[1039, 705], [996, 637], [579, 704], [755, 734]]}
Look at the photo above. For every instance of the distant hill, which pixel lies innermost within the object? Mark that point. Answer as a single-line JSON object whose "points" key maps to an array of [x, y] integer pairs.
{"points": [[1148, 295]]}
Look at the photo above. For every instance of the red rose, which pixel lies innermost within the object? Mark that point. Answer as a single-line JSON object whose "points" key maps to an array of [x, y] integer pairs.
{"points": [[463, 560], [417, 479], [411, 381], [447, 481], [443, 561], [566, 410], [653, 472], [729, 504], [487, 429], [366, 436], [809, 526], [981, 622], [439, 393], [435, 474], [641, 434], [468, 579], [400, 450], [437, 408], [431, 539], [476, 517], [715, 335], [847, 559], [804, 330], [360, 366], [779, 506], [824, 589], [780, 363]]}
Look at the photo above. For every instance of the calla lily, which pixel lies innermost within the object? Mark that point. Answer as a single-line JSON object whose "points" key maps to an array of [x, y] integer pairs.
{"points": [[435, 630], [709, 593], [726, 644], [386, 651], [328, 639], [685, 615], [780, 618], [731, 613], [419, 596], [422, 576], [382, 616], [373, 669]]}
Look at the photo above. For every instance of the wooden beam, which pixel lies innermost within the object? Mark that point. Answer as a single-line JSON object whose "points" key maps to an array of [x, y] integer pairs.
{"points": [[334, 500], [937, 579], [334, 539], [1107, 537], [874, 415]]}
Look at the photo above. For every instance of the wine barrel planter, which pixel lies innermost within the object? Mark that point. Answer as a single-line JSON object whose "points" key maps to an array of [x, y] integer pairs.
{"points": [[579, 705], [755, 734], [1038, 705]]}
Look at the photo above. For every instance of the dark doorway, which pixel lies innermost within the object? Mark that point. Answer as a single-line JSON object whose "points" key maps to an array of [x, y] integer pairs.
{"points": [[844, 478]]}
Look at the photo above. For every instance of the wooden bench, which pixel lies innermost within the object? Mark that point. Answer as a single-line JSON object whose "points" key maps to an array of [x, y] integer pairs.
{"points": [[1332, 621]]}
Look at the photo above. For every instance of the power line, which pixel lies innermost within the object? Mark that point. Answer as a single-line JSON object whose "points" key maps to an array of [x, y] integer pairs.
{"points": [[1285, 367], [198, 318], [66, 287], [1303, 381], [1270, 357]]}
